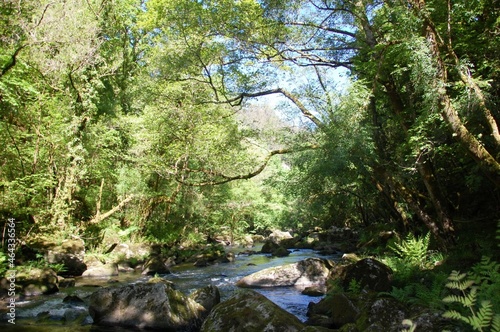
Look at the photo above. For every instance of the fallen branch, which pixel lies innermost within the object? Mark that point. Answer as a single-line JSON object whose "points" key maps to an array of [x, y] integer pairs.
{"points": [[100, 217]]}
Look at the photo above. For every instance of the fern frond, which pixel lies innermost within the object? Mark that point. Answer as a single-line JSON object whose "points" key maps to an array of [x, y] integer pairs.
{"points": [[495, 324], [483, 316], [470, 299], [460, 285], [453, 299], [411, 326], [456, 276], [453, 314]]}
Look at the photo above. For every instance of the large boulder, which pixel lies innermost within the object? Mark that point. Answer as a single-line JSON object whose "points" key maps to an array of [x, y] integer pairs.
{"points": [[269, 246], [370, 274], [306, 273], [276, 240], [101, 271], [250, 311], [278, 236], [333, 311], [70, 253], [33, 281], [145, 305], [155, 265], [208, 297]]}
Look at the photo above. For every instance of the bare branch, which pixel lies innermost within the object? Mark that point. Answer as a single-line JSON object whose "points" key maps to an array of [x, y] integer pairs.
{"points": [[236, 101], [100, 217], [324, 28]]}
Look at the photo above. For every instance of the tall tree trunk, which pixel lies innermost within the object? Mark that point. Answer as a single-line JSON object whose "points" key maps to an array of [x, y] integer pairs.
{"points": [[487, 163], [437, 198]]}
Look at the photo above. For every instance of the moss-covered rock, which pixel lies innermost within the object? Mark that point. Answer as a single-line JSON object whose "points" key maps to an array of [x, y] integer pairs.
{"points": [[370, 274], [250, 311], [148, 305], [280, 252], [155, 265], [34, 281], [208, 297]]}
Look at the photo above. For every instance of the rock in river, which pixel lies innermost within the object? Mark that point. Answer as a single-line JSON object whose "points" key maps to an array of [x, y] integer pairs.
{"points": [[250, 311], [147, 305], [308, 272]]}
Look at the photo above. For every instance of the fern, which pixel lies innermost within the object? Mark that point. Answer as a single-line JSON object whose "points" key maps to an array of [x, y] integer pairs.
{"points": [[495, 326], [479, 317], [431, 295], [405, 294], [413, 249], [485, 271]]}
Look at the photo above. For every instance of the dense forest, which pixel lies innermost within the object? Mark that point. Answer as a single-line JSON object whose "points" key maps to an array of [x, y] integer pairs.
{"points": [[173, 120], [177, 123]]}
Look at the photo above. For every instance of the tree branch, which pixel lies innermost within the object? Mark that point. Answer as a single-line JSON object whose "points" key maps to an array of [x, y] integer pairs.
{"points": [[100, 217], [236, 101], [12, 61], [257, 171]]}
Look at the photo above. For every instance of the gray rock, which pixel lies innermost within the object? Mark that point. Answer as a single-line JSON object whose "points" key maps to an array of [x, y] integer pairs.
{"points": [[208, 297], [250, 311], [277, 236], [70, 253], [101, 271], [306, 273], [34, 281], [148, 305]]}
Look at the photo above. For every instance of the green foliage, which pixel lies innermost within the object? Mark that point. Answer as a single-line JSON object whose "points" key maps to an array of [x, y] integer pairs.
{"points": [[414, 250], [354, 287], [427, 292], [3, 263], [479, 313], [41, 263]]}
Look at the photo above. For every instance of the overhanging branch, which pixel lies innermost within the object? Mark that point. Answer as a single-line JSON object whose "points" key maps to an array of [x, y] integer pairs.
{"points": [[225, 179], [236, 101]]}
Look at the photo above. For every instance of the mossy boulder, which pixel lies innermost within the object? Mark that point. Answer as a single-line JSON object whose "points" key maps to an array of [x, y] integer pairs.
{"points": [[208, 297], [280, 252], [369, 274], [250, 311], [269, 246], [155, 265], [146, 305], [334, 311], [34, 281]]}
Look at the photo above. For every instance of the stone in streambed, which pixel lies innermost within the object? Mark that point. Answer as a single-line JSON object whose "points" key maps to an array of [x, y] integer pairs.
{"points": [[306, 273], [250, 311], [148, 305], [101, 271]]}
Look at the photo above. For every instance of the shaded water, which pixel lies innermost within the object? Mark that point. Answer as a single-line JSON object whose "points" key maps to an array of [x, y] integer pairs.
{"points": [[186, 278]]}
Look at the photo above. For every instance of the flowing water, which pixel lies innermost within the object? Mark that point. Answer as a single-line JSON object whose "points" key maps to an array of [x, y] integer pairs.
{"points": [[186, 278]]}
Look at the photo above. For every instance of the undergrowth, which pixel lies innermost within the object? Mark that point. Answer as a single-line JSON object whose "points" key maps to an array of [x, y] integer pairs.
{"points": [[475, 298]]}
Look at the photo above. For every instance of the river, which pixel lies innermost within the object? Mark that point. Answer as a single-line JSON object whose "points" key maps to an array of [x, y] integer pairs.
{"points": [[186, 278]]}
